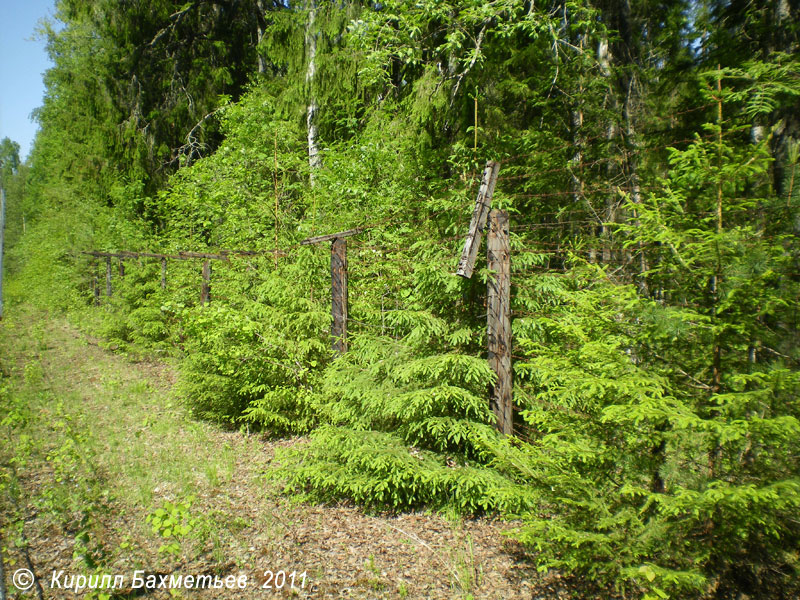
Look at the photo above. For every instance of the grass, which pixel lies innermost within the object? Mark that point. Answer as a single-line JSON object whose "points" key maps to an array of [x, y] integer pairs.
{"points": [[92, 448], [140, 437]]}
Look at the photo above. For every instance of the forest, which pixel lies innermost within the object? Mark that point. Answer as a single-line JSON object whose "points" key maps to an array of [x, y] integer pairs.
{"points": [[649, 162]]}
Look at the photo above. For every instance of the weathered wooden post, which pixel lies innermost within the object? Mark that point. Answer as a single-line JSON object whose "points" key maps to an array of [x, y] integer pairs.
{"points": [[205, 291], [121, 267], [338, 284], [498, 300], [478, 222], [95, 283], [339, 295], [499, 318], [163, 273], [108, 276]]}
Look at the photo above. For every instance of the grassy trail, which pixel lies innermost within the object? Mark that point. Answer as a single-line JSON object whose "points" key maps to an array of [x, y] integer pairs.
{"points": [[103, 472]]}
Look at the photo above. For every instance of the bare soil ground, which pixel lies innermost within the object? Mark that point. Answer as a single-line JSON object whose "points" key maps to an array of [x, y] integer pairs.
{"points": [[105, 444]]}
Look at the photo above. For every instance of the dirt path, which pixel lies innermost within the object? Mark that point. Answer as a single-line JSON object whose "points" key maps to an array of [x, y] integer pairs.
{"points": [[93, 444]]}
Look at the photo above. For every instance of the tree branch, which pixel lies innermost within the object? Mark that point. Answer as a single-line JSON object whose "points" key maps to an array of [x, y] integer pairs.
{"points": [[471, 64], [174, 18], [193, 147]]}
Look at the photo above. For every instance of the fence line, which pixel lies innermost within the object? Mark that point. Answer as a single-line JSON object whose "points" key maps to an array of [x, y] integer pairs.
{"points": [[499, 311]]}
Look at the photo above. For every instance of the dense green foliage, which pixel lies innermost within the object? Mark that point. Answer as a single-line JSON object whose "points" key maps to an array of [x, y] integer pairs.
{"points": [[649, 160]]}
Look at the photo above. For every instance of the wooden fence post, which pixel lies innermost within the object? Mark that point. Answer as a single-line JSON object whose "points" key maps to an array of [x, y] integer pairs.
{"points": [[205, 291], [95, 283], [339, 295], [338, 284], [121, 268], [499, 318], [108, 276], [163, 273], [478, 222]]}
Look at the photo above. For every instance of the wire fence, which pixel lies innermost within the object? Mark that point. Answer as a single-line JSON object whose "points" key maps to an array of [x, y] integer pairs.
{"points": [[582, 215]]}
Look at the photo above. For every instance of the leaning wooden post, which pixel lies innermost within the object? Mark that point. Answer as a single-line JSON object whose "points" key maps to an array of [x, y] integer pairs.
{"points": [[339, 295], [478, 222], [163, 273], [499, 318], [108, 276], [205, 292]]}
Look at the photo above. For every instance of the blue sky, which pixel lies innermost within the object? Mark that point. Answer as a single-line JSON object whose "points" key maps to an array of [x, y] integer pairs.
{"points": [[23, 60]]}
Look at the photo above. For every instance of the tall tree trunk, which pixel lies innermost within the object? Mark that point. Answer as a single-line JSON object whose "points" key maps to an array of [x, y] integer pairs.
{"points": [[576, 118], [314, 160], [262, 67], [632, 162], [787, 133], [631, 61], [604, 59]]}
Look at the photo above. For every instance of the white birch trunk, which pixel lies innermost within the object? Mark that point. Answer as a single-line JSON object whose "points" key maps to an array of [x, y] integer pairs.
{"points": [[604, 62], [314, 160], [262, 67]]}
